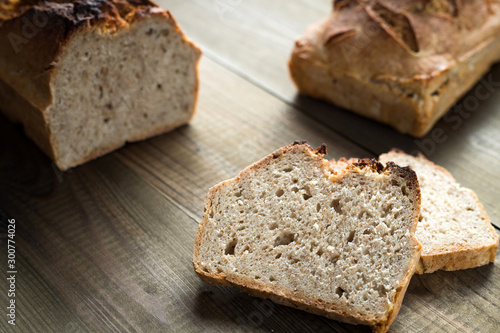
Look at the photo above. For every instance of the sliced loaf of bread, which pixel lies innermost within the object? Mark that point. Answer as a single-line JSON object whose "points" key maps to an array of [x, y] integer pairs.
{"points": [[289, 229], [453, 227], [97, 75]]}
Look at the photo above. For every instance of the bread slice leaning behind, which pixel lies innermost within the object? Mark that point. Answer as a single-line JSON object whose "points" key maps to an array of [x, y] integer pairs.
{"points": [[288, 229], [93, 75], [453, 228]]}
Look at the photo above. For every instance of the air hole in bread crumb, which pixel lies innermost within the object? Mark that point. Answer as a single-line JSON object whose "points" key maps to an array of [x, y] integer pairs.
{"points": [[387, 209], [295, 180], [284, 238], [320, 252], [381, 291], [295, 189], [257, 277], [335, 258], [469, 209], [289, 169], [340, 292], [404, 191], [318, 207], [277, 256], [420, 218], [280, 192], [159, 86], [272, 279], [307, 195], [105, 120], [230, 247], [293, 261], [351, 236], [246, 248], [273, 226], [238, 194], [336, 205], [367, 232], [394, 182]]}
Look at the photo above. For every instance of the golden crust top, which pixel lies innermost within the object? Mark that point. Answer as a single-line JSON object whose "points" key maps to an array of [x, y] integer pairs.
{"points": [[111, 14], [411, 39]]}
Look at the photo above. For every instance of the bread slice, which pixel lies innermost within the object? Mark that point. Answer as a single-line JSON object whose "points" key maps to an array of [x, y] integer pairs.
{"points": [[453, 227], [85, 77], [289, 229]]}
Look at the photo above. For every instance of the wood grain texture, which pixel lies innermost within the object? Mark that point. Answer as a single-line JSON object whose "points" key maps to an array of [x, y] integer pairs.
{"points": [[106, 247], [254, 38]]}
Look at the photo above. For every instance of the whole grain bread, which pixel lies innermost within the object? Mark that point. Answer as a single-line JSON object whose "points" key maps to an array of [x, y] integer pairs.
{"points": [[289, 229], [453, 227], [85, 77], [403, 63]]}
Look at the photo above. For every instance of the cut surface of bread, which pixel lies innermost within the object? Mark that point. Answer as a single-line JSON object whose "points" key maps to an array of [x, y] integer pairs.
{"points": [[109, 72], [289, 229], [453, 227], [411, 60]]}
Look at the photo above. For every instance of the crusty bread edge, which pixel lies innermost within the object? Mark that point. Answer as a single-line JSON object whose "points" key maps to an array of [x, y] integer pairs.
{"points": [[310, 72], [456, 257], [278, 296]]}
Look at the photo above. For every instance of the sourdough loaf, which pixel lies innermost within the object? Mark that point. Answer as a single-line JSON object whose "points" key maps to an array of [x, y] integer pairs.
{"points": [[84, 77], [289, 229], [403, 63], [453, 227]]}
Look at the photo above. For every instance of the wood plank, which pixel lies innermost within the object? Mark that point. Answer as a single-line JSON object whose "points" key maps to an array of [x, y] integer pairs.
{"points": [[254, 39]]}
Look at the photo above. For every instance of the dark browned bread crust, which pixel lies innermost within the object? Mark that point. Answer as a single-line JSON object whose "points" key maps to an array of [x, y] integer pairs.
{"points": [[53, 22]]}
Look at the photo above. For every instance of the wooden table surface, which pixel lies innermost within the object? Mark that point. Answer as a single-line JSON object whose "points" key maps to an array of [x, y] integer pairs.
{"points": [[107, 246]]}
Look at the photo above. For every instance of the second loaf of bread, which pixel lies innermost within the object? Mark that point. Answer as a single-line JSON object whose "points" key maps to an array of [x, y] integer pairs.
{"points": [[403, 63]]}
